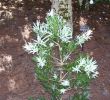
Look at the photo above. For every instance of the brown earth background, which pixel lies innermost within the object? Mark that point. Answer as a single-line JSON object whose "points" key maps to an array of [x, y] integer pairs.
{"points": [[17, 77]]}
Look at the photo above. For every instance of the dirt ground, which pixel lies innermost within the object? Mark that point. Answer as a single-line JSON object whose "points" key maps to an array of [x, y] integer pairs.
{"points": [[17, 78]]}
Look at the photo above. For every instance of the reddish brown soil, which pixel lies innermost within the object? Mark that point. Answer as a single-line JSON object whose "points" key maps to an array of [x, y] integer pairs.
{"points": [[17, 78], [99, 48]]}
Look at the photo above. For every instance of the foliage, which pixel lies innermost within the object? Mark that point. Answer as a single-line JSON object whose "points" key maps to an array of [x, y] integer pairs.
{"points": [[56, 68]]}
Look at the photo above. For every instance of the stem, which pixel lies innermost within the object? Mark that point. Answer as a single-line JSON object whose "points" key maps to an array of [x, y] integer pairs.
{"points": [[64, 76], [61, 60], [56, 58], [67, 57]]}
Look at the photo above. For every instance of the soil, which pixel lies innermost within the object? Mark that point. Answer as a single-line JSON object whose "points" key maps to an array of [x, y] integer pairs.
{"points": [[17, 77]]}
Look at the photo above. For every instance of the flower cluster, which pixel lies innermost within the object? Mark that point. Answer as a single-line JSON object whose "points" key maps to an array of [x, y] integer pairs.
{"points": [[80, 39], [44, 33], [88, 65], [41, 62], [66, 34], [40, 28], [30, 47], [65, 83], [62, 91]]}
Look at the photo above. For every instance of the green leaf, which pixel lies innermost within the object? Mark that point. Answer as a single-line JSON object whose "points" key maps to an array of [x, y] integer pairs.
{"points": [[82, 80]]}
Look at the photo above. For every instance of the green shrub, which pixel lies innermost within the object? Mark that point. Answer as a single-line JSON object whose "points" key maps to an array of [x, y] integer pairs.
{"points": [[56, 69]]}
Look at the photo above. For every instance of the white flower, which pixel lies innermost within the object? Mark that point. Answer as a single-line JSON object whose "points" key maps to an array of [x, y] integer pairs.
{"points": [[41, 61], [95, 74], [65, 83], [51, 44], [82, 61], [90, 66], [76, 69], [66, 34], [36, 26], [91, 2], [41, 28], [30, 47], [42, 41], [62, 91], [55, 76], [80, 39]]}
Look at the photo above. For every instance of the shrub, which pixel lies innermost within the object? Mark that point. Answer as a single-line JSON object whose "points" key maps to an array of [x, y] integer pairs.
{"points": [[60, 67]]}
